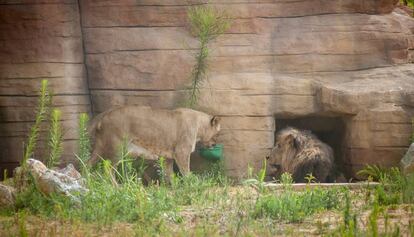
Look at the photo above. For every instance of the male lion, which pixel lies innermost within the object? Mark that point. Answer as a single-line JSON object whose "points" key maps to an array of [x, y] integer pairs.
{"points": [[300, 153], [152, 133]]}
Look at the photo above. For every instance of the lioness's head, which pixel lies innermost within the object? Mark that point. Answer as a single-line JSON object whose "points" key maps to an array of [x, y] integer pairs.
{"points": [[209, 130]]}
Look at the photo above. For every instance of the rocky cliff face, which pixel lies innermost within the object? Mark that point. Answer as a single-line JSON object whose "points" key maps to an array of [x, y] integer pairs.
{"points": [[339, 68], [39, 40]]}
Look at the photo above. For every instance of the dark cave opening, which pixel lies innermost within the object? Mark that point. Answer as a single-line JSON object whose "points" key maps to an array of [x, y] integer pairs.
{"points": [[330, 130]]}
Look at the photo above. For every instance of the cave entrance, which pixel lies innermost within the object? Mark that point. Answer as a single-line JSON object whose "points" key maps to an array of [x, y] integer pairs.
{"points": [[330, 130]]}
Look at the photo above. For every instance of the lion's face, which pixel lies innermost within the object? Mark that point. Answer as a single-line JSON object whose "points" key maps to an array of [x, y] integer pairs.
{"points": [[284, 150]]}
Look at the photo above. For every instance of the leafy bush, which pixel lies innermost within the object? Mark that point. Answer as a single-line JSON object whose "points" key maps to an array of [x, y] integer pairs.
{"points": [[373, 172], [394, 188]]}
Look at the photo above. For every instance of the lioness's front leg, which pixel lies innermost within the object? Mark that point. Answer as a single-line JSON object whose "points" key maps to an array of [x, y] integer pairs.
{"points": [[169, 169], [182, 157]]}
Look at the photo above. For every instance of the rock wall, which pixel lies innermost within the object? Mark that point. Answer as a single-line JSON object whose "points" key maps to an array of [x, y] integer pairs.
{"points": [[280, 59], [289, 59], [39, 40]]}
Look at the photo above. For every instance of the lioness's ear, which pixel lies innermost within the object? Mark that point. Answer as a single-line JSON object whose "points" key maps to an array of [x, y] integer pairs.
{"points": [[215, 121]]}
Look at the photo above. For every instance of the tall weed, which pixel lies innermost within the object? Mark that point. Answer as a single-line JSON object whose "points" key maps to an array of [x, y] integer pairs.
{"points": [[55, 139], [206, 25], [41, 115], [84, 145]]}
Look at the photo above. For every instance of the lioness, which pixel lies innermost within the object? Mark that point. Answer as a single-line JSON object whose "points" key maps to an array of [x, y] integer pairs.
{"points": [[300, 153], [152, 133]]}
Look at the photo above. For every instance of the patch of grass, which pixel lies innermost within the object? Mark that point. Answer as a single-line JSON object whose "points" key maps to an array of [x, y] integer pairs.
{"points": [[394, 188], [291, 206], [126, 201], [377, 224], [125, 170]]}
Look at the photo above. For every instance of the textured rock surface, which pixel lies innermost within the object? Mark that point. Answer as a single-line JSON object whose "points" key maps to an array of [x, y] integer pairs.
{"points": [[292, 59], [7, 196], [281, 59], [66, 181], [39, 40]]}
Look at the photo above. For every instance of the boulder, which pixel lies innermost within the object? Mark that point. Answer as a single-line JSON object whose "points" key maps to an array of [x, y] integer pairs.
{"points": [[407, 162], [70, 171], [7, 196], [40, 40], [66, 181]]}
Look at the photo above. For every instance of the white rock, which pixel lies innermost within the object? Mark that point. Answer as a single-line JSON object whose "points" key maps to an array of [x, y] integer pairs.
{"points": [[407, 162], [7, 196], [66, 181]]}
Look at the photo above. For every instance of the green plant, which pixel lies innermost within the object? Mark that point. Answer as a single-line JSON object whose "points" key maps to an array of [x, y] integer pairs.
{"points": [[262, 172], [206, 24], [84, 144], [41, 113], [55, 138], [373, 220], [373, 172], [394, 187], [21, 219], [286, 179], [412, 131], [347, 210], [126, 170], [217, 173], [409, 3], [161, 169], [310, 178], [407, 187]]}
